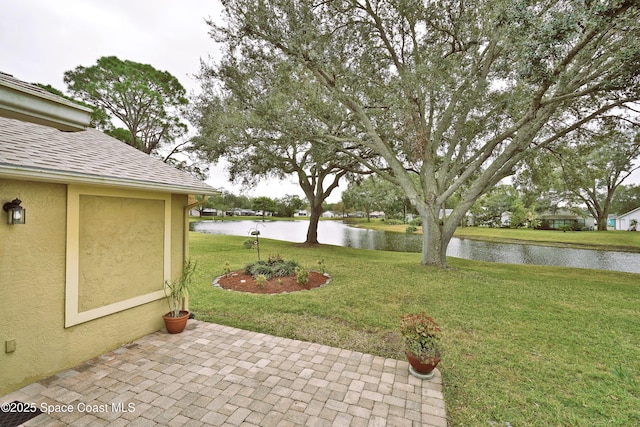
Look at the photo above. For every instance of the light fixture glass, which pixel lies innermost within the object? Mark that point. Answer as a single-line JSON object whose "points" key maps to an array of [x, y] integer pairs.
{"points": [[16, 214]]}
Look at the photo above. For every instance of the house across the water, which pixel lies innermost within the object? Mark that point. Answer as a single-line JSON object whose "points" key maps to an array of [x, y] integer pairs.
{"points": [[565, 220], [629, 221]]}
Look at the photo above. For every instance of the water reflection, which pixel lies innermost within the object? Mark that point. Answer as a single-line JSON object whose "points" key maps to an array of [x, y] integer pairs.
{"points": [[337, 233]]}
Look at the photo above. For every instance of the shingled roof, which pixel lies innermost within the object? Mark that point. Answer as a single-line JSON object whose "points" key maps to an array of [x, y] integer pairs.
{"points": [[36, 152]]}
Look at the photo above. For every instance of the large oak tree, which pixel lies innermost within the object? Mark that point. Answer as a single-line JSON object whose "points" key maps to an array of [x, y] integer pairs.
{"points": [[148, 101], [262, 119], [451, 91]]}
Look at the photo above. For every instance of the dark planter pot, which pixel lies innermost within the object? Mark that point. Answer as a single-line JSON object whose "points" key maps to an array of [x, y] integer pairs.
{"points": [[175, 325], [421, 370]]}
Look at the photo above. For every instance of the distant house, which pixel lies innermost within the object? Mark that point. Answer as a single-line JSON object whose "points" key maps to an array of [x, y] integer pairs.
{"points": [[206, 212], [300, 213], [212, 212], [564, 219], [357, 214], [626, 221], [105, 226], [240, 212], [376, 214], [330, 214], [505, 219]]}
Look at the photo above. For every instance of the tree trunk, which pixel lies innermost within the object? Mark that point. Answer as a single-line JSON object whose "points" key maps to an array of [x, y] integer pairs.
{"points": [[604, 215], [312, 231], [602, 223], [434, 240]]}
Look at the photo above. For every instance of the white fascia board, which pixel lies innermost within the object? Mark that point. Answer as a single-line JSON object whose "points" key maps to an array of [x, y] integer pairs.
{"points": [[18, 103], [62, 177]]}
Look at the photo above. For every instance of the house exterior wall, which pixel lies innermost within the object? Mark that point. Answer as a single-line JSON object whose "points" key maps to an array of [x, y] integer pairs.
{"points": [[115, 274], [623, 222], [550, 222], [116, 234]]}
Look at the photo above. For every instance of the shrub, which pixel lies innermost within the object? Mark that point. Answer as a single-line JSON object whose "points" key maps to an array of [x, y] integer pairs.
{"points": [[273, 267], [261, 280], [302, 276], [416, 221], [226, 267], [411, 229], [285, 268], [275, 258]]}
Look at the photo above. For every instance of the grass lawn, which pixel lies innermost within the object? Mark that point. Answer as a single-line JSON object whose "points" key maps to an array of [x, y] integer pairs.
{"points": [[524, 345]]}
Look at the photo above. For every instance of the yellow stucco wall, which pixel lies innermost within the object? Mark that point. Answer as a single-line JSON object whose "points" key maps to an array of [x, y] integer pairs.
{"points": [[33, 276], [117, 235]]}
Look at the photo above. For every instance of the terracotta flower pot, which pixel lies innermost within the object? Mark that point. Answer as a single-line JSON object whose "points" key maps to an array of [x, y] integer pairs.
{"points": [[419, 369], [175, 325]]}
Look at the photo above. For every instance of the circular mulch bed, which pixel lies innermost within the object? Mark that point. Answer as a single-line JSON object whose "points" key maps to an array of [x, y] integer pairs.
{"points": [[239, 281]]}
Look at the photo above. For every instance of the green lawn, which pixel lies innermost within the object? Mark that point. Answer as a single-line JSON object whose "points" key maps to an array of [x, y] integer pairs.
{"points": [[524, 345]]}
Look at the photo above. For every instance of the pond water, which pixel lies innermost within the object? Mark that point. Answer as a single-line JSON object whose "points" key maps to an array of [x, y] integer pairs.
{"points": [[340, 234]]}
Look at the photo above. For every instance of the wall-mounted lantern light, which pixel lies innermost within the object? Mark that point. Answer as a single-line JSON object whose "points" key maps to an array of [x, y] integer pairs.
{"points": [[15, 213]]}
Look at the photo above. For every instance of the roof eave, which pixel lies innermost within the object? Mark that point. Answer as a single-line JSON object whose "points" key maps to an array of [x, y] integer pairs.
{"points": [[63, 177], [19, 103], [628, 213]]}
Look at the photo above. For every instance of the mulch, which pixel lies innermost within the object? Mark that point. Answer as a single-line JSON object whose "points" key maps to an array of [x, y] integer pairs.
{"points": [[239, 281]]}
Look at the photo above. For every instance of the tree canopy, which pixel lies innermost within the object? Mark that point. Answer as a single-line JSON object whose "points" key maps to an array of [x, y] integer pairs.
{"points": [[255, 115], [148, 101], [373, 194], [264, 204], [626, 199], [591, 172], [289, 204], [456, 93]]}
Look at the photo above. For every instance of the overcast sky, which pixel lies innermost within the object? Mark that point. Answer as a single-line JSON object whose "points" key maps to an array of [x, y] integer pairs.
{"points": [[41, 39]]}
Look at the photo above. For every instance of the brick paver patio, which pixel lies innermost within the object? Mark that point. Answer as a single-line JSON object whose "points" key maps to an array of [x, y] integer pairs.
{"points": [[222, 376]]}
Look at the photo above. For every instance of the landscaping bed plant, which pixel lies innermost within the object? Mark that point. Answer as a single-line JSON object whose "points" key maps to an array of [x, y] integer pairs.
{"points": [[273, 276]]}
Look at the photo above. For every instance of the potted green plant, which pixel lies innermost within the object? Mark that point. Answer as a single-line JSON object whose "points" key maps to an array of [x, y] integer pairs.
{"points": [[421, 338], [176, 291]]}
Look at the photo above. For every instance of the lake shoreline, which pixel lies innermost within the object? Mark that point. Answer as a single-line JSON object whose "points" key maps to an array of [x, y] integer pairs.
{"points": [[467, 246], [460, 233]]}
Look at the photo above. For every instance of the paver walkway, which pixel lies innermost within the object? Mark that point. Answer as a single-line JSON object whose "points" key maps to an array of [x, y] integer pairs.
{"points": [[222, 376]]}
